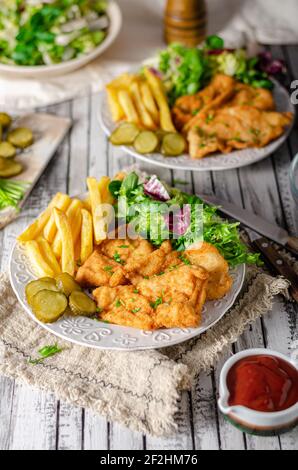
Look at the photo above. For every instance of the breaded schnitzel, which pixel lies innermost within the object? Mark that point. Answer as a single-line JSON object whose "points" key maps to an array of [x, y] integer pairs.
{"points": [[148, 288]]}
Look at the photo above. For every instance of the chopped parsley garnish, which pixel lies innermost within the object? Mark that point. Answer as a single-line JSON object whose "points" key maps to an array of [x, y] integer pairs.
{"points": [[124, 246], [185, 260], [117, 258], [45, 352], [107, 268], [119, 302], [135, 310], [99, 309], [146, 277], [157, 302], [160, 274], [135, 291], [209, 118]]}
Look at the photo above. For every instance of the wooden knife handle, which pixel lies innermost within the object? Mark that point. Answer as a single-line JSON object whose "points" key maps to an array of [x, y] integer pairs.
{"points": [[278, 263], [292, 245]]}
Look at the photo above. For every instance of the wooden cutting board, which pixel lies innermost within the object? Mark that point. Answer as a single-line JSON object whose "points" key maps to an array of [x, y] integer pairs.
{"points": [[48, 131]]}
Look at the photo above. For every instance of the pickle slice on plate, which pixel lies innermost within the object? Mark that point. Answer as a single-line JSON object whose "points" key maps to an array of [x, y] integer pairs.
{"points": [[20, 137], [81, 304], [10, 168], [5, 120], [125, 134], [41, 284], [173, 144], [48, 306], [66, 284], [7, 150], [146, 142]]}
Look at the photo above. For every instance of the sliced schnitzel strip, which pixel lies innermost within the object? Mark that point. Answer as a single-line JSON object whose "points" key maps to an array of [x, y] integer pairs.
{"points": [[208, 257], [99, 270], [235, 127]]}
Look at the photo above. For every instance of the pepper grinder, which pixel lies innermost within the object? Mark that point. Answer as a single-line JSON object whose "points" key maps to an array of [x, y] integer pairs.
{"points": [[185, 22]]}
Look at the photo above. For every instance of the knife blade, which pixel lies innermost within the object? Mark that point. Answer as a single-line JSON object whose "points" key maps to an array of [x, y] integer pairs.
{"points": [[269, 230], [275, 260]]}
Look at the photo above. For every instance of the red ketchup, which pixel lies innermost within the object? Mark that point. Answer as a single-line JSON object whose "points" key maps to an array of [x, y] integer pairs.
{"points": [[263, 383]]}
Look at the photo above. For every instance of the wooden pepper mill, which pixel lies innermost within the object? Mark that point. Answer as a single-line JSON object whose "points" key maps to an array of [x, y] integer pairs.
{"points": [[185, 22]]}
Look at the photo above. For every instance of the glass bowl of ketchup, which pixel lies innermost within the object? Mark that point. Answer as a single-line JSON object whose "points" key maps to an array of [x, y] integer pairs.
{"points": [[258, 392]]}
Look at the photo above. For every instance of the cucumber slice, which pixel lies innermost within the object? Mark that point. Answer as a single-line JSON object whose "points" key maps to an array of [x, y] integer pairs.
{"points": [[7, 150], [173, 144], [48, 306], [146, 142], [41, 284], [81, 304], [21, 137], [9, 168], [66, 284], [125, 134], [5, 120]]}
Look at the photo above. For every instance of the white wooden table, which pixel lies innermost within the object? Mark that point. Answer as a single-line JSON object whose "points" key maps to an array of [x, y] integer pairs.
{"points": [[30, 419]]}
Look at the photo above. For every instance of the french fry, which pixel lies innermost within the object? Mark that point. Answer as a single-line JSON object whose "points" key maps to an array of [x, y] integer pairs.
{"points": [[86, 236], [97, 214], [146, 118], [103, 185], [38, 225], [50, 229], [128, 106], [149, 102], [39, 264], [63, 226], [156, 87], [74, 216], [123, 81], [48, 255], [114, 105]]}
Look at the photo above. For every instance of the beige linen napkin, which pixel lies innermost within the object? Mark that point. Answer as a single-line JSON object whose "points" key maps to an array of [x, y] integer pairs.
{"points": [[139, 389]]}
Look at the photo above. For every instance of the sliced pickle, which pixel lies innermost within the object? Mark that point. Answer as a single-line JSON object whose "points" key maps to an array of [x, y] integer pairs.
{"points": [[66, 284], [10, 168], [41, 284], [7, 150], [5, 120], [125, 134], [173, 144], [146, 142], [81, 304], [20, 137], [48, 306]]}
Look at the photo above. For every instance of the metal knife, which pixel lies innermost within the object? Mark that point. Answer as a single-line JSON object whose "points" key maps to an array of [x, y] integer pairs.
{"points": [[274, 232], [275, 260]]}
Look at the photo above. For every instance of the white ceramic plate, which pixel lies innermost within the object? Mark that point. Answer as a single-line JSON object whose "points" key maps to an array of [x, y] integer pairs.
{"points": [[46, 71], [217, 161], [96, 334]]}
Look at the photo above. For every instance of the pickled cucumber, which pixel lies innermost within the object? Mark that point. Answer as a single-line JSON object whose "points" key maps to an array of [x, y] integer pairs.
{"points": [[48, 306], [5, 120], [173, 144], [20, 137], [125, 134], [81, 304], [146, 142], [7, 150], [10, 168], [41, 284], [66, 284]]}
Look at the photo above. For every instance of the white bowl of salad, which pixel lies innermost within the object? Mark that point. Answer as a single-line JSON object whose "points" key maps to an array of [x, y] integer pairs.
{"points": [[43, 38]]}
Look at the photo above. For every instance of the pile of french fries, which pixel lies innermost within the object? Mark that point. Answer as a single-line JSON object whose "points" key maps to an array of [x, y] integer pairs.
{"points": [[64, 235], [140, 99]]}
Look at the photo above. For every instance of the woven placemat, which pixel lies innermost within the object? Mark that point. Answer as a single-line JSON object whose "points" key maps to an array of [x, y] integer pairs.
{"points": [[138, 389]]}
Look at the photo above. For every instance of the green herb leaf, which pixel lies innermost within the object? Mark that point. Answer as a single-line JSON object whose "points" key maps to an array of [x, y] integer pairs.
{"points": [[117, 258], [157, 302], [135, 310], [45, 352]]}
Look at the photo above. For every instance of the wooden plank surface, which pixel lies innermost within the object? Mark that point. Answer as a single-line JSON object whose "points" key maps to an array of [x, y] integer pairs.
{"points": [[263, 188]]}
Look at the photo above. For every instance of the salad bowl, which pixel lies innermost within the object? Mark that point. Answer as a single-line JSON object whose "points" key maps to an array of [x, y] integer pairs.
{"points": [[46, 71]]}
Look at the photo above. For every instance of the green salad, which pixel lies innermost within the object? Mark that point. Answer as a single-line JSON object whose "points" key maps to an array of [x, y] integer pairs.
{"points": [[147, 203], [186, 70], [34, 32]]}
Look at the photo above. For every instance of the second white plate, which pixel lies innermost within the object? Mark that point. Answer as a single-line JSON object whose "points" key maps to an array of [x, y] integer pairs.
{"points": [[217, 161]]}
